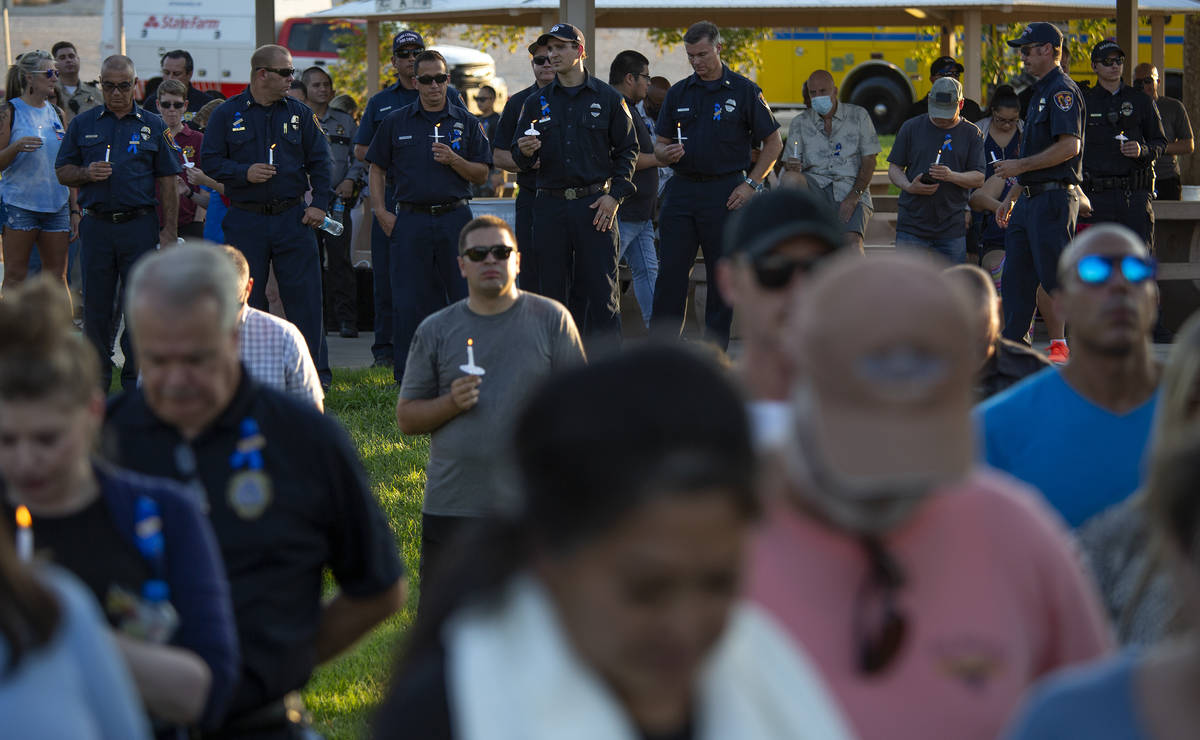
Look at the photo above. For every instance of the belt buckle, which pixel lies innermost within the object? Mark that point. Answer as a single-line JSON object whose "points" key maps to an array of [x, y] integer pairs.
{"points": [[1028, 194], [569, 193]]}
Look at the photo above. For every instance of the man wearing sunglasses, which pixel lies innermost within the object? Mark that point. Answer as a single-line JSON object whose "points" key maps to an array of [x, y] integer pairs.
{"points": [[1124, 138], [1042, 221], [946, 67], [506, 132], [517, 339], [406, 45], [1088, 455], [117, 155], [1176, 127], [771, 248], [914, 579], [433, 151], [268, 149]]}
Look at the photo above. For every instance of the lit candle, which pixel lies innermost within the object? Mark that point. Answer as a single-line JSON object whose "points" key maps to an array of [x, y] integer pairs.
{"points": [[24, 535], [532, 130], [471, 352], [679, 137], [796, 149], [437, 133], [938, 158], [271, 156], [107, 152], [1121, 137], [186, 163]]}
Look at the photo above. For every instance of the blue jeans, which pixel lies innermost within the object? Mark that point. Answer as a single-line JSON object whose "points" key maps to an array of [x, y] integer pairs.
{"points": [[953, 249], [637, 247]]}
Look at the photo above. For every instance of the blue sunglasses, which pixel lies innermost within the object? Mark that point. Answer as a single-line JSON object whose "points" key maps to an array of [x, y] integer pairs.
{"points": [[1095, 269]]}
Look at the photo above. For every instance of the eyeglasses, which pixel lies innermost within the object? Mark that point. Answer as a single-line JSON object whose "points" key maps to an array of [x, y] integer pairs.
{"points": [[1097, 269], [111, 86], [644, 76], [1143, 81], [541, 60], [1005, 121], [479, 254], [51, 74], [484, 98], [281, 71], [430, 79], [408, 54], [172, 106], [1027, 49], [774, 272], [879, 644], [1112, 61]]}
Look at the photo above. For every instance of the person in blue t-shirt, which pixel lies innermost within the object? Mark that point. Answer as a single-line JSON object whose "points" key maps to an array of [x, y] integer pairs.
{"points": [[1079, 434]]}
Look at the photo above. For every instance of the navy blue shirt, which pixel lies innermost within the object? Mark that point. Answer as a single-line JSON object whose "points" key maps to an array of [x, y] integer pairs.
{"points": [[1056, 108], [506, 132], [587, 137], [1127, 111], [404, 147], [139, 151], [241, 132], [388, 101], [721, 121], [640, 207]]}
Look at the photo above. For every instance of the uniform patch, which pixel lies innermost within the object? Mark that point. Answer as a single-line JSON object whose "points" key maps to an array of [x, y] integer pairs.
{"points": [[145, 132], [1127, 108], [249, 493], [318, 122], [730, 105], [1064, 100], [595, 110]]}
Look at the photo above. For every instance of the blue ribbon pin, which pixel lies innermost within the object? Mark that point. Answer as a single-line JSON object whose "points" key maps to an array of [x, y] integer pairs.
{"points": [[837, 150], [248, 454], [133, 142], [545, 106], [716, 111]]}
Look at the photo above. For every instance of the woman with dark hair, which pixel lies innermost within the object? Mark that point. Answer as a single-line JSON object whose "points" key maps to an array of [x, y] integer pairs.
{"points": [[1148, 693], [141, 545], [1001, 131], [608, 605], [60, 674], [38, 208]]}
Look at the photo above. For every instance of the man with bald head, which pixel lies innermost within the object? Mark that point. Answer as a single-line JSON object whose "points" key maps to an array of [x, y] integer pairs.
{"points": [[1177, 128], [831, 147], [1087, 455], [115, 154]]}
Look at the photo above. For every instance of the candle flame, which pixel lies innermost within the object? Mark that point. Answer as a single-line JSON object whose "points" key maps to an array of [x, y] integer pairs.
{"points": [[23, 519], [470, 342], [272, 146]]}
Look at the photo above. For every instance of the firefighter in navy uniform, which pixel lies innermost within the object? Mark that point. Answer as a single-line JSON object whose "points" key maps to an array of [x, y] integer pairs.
{"points": [[1124, 136]]}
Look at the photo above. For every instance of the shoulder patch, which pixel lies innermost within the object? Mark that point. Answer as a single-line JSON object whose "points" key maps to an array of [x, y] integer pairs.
{"points": [[1064, 100], [317, 121], [625, 108]]}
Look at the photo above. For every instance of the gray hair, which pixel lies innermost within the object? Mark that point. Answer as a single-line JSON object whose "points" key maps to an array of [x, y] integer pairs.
{"points": [[182, 276], [118, 62], [22, 70]]}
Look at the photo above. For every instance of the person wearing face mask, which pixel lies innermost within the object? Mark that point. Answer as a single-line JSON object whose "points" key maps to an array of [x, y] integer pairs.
{"points": [[914, 579], [832, 148]]}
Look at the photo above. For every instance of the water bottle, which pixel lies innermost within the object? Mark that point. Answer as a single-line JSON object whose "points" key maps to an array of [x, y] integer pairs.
{"points": [[332, 226]]}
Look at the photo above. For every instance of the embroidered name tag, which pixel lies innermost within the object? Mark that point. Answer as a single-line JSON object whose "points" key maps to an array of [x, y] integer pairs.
{"points": [[404, 138]]}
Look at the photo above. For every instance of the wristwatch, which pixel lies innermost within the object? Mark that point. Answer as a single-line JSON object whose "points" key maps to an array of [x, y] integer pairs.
{"points": [[859, 191], [758, 186]]}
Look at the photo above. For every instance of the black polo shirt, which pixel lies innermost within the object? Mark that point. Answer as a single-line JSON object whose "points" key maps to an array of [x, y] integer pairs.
{"points": [[1010, 363], [319, 514], [1126, 112], [507, 129]]}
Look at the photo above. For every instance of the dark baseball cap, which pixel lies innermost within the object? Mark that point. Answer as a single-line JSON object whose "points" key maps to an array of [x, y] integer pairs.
{"points": [[1038, 33], [945, 65], [775, 216], [407, 38], [1105, 49], [561, 31]]}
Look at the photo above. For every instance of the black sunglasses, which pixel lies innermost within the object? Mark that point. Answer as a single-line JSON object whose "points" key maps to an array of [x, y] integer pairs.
{"points": [[540, 60], [479, 254], [774, 272], [430, 79], [172, 106], [111, 86], [483, 98], [1112, 61], [281, 71], [879, 644], [1143, 81], [409, 54]]}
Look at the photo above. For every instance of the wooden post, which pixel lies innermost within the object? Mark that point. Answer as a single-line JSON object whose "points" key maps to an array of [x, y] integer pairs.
{"points": [[1127, 36], [948, 45], [1158, 44], [264, 22], [582, 14], [973, 56], [372, 57]]}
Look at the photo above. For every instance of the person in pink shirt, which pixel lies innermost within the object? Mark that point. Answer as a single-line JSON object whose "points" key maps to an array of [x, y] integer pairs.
{"points": [[929, 593]]}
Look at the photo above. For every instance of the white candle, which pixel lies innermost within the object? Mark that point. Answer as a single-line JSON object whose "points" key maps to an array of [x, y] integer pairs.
{"points": [[679, 137], [437, 133], [24, 535], [186, 163], [271, 156], [995, 159], [1121, 138], [938, 158], [471, 352], [107, 152], [532, 130]]}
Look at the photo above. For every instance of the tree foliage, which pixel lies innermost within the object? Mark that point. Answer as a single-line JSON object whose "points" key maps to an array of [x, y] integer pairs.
{"points": [[350, 71], [739, 46]]}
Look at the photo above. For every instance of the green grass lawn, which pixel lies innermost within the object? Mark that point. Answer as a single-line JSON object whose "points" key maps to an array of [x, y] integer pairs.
{"points": [[342, 694]]}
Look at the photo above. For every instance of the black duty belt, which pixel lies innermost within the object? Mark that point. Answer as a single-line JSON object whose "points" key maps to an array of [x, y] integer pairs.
{"points": [[1141, 180], [576, 193], [116, 217], [269, 208], [434, 209], [697, 177], [1038, 188], [343, 140]]}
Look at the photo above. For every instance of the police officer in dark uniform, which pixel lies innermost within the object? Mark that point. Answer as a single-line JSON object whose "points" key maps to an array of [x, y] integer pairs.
{"points": [[433, 151], [281, 483], [506, 132], [115, 154], [1042, 222], [708, 124], [406, 45], [586, 147], [348, 178], [267, 149], [1124, 137]]}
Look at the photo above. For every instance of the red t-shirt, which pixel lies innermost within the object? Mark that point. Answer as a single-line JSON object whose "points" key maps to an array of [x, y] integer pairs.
{"points": [[188, 141]]}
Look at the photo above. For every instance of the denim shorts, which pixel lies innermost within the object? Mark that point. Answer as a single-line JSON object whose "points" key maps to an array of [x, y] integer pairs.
{"points": [[21, 219]]}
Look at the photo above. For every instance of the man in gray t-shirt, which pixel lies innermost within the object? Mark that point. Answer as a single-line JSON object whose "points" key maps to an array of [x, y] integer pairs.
{"points": [[470, 368], [936, 159], [1177, 128]]}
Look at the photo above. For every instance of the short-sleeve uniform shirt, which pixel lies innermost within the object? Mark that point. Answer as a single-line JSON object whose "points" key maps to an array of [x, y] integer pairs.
{"points": [[833, 159], [137, 146], [1056, 109], [403, 147]]}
